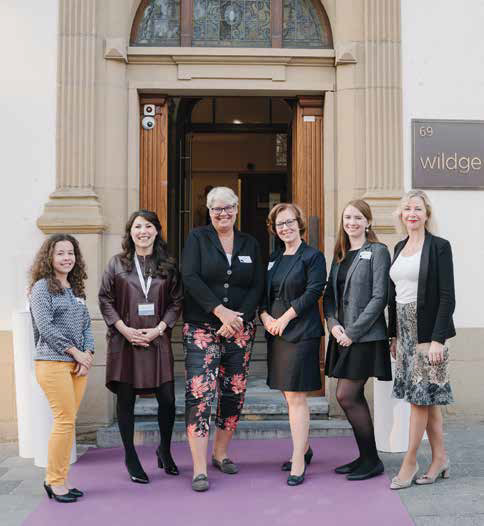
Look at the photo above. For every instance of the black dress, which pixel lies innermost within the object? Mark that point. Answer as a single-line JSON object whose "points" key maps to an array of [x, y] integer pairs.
{"points": [[290, 366], [359, 360]]}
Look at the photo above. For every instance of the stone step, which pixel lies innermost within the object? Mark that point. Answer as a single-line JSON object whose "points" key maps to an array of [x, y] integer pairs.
{"points": [[146, 432], [260, 403]]}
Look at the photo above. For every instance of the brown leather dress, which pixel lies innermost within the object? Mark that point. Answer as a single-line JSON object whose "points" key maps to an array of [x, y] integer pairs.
{"points": [[145, 368]]}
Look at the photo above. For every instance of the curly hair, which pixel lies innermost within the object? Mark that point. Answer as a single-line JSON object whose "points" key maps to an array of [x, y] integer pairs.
{"points": [[162, 264], [43, 267]]}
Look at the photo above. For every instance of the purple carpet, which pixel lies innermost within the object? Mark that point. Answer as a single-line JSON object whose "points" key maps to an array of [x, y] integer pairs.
{"points": [[257, 496]]}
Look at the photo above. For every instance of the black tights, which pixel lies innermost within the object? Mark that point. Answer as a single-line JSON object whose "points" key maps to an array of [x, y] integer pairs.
{"points": [[351, 396], [126, 398]]}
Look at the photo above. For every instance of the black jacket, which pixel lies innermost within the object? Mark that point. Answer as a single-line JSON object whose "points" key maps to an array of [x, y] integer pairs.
{"points": [[435, 294], [301, 288], [209, 280]]}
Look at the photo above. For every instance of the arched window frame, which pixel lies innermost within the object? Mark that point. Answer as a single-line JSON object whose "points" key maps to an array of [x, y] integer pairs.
{"points": [[277, 15]]}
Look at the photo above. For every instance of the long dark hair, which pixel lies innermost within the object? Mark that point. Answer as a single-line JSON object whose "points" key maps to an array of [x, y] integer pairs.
{"points": [[343, 241], [42, 267], [161, 263]]}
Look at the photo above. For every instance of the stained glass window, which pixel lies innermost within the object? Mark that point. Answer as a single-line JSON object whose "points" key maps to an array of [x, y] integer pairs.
{"points": [[302, 27], [160, 24], [281, 149], [232, 23]]}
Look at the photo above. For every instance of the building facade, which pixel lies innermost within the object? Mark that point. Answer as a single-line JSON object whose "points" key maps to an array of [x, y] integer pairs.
{"points": [[149, 103]]}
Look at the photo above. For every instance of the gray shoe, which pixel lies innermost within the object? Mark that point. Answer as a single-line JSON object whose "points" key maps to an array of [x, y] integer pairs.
{"points": [[226, 466], [200, 483]]}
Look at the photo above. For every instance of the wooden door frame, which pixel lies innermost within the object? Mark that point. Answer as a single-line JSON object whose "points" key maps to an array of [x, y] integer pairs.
{"points": [[308, 179], [306, 169]]}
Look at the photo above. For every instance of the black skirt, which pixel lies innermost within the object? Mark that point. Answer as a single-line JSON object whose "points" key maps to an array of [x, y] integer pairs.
{"points": [[293, 366], [359, 360]]}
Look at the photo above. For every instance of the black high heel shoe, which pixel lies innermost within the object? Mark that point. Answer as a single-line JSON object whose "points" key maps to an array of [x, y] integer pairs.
{"points": [[295, 480], [166, 461], [137, 474], [67, 497], [287, 466]]}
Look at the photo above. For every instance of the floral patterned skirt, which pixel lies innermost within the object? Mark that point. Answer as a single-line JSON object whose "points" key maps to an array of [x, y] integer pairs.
{"points": [[416, 380]]}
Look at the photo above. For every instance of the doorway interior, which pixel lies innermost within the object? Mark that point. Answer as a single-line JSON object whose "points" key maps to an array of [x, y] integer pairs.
{"points": [[243, 143]]}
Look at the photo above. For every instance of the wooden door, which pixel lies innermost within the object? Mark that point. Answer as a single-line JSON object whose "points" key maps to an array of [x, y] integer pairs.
{"points": [[154, 161], [307, 174]]}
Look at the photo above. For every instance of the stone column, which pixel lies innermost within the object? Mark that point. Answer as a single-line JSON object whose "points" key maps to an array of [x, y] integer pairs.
{"points": [[74, 206], [383, 142]]}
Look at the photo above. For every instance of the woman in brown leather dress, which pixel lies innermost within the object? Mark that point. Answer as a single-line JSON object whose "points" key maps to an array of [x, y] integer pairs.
{"points": [[140, 299]]}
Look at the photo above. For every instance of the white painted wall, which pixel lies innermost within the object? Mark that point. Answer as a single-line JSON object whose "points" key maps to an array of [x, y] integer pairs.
{"points": [[28, 39], [443, 78]]}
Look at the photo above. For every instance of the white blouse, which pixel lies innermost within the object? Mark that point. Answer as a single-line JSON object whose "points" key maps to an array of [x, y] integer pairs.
{"points": [[404, 273]]}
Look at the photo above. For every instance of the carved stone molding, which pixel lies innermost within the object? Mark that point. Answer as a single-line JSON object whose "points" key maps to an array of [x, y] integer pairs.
{"points": [[345, 55], [116, 49]]}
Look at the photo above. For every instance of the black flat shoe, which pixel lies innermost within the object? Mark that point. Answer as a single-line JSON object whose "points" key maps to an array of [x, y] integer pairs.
{"points": [[348, 468], [295, 480], [67, 497], [76, 492], [287, 466], [165, 460], [365, 472], [137, 474]]}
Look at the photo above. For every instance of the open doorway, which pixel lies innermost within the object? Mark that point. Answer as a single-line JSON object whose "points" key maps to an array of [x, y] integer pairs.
{"points": [[239, 142]]}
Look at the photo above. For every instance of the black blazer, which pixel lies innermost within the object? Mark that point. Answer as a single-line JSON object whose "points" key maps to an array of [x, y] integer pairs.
{"points": [[435, 294], [301, 288], [209, 280]]}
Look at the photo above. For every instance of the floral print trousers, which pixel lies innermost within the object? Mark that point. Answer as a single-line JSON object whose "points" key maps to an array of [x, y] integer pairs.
{"points": [[214, 363]]}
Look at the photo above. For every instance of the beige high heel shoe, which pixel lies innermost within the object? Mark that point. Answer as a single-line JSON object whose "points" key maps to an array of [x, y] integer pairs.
{"points": [[402, 484], [426, 479]]}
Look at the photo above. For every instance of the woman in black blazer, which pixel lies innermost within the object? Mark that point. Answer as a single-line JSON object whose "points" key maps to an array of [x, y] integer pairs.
{"points": [[290, 313], [421, 304], [223, 278]]}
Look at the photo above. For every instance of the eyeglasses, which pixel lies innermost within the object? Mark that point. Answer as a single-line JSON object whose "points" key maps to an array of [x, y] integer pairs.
{"points": [[288, 223], [229, 210]]}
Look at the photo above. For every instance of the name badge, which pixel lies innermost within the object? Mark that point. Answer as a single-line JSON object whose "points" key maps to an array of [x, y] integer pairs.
{"points": [[365, 255], [82, 301], [270, 265], [146, 309], [245, 259]]}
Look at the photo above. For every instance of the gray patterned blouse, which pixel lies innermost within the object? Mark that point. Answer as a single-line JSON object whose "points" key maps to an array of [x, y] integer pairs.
{"points": [[60, 321]]}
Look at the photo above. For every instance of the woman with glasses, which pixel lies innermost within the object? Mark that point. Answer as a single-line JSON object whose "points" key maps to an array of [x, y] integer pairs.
{"points": [[290, 314], [223, 279]]}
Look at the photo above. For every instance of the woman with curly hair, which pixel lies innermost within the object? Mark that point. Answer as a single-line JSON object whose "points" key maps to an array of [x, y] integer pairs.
{"points": [[140, 299], [64, 347]]}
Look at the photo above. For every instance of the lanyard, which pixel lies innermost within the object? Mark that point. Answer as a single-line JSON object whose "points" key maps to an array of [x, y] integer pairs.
{"points": [[145, 287]]}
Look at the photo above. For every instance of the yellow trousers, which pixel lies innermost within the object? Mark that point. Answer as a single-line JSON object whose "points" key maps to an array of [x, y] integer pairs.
{"points": [[64, 391]]}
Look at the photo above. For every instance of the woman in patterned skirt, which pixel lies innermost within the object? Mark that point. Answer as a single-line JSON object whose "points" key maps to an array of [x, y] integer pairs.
{"points": [[421, 304]]}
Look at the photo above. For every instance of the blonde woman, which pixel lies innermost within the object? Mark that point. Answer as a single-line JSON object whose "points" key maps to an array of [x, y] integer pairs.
{"points": [[421, 304]]}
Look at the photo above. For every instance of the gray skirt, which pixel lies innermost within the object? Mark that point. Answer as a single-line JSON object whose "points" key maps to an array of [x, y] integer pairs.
{"points": [[416, 381]]}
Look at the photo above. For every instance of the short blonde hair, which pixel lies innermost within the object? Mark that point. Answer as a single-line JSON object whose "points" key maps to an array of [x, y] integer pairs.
{"points": [[429, 224], [223, 193], [280, 207]]}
